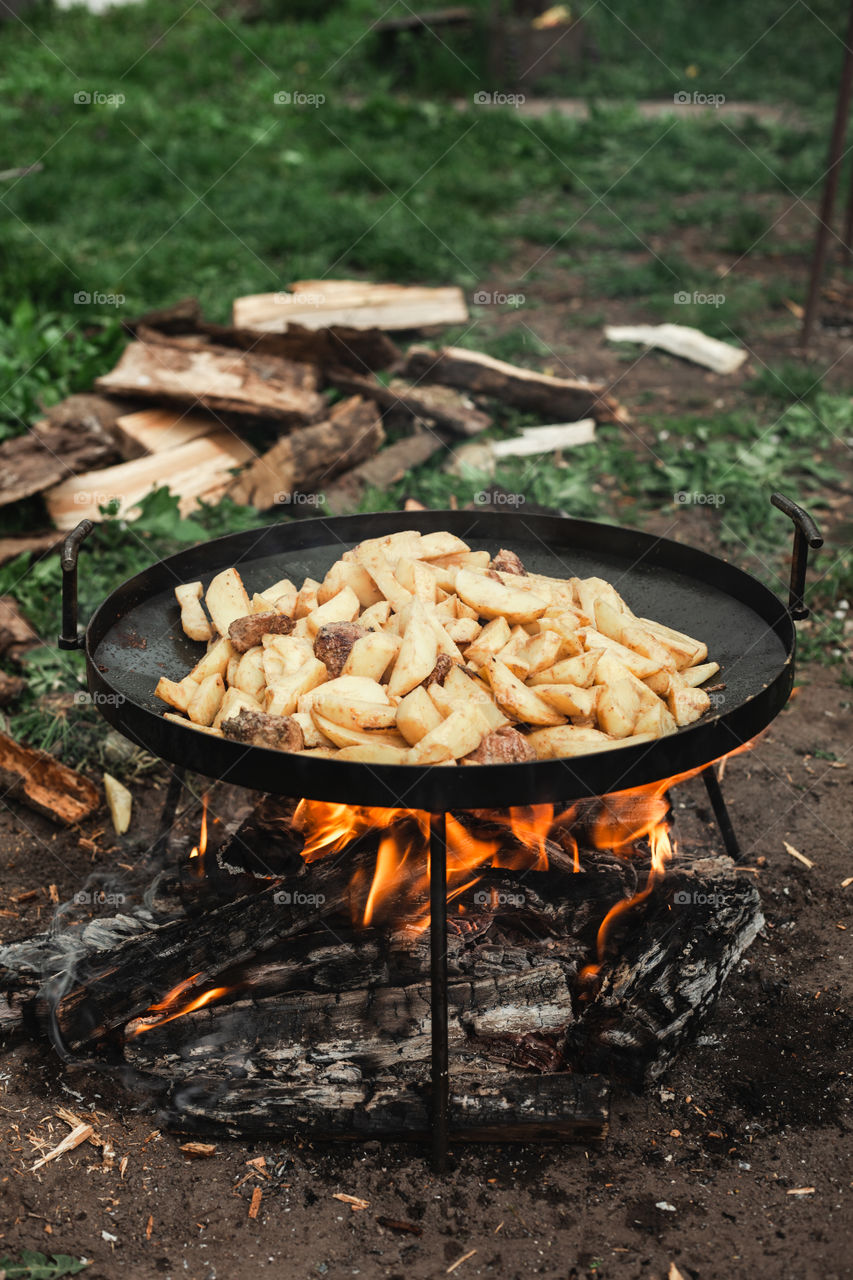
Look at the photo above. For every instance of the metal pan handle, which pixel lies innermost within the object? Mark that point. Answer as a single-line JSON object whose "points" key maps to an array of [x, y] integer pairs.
{"points": [[71, 637], [806, 534]]}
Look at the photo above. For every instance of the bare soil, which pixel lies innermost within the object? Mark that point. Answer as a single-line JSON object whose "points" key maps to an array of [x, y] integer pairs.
{"points": [[737, 1163]]}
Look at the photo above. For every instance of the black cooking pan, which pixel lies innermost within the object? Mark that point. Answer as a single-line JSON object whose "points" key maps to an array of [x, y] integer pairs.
{"points": [[135, 637]]}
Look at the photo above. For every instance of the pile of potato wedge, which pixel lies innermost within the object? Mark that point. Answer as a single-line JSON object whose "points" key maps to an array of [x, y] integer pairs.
{"points": [[449, 647]]}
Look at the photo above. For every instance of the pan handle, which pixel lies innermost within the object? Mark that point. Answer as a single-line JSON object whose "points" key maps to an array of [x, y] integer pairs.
{"points": [[71, 637], [806, 534]]}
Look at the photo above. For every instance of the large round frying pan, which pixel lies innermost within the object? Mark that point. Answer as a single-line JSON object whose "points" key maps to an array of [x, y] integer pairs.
{"points": [[135, 637]]}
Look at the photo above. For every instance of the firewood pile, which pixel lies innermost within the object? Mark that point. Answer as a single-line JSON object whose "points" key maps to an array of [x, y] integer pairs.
{"points": [[243, 409]]}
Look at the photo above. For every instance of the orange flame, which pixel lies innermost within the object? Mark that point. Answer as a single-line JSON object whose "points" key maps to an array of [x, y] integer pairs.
{"points": [[199, 850], [166, 1005]]}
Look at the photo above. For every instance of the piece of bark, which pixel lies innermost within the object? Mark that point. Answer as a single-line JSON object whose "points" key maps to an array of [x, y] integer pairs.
{"points": [[556, 398], [439, 406], [31, 543], [683, 341], [316, 304], [202, 468], [218, 379], [38, 780], [333, 644], [558, 1107], [16, 634], [181, 317], [11, 688], [387, 468], [46, 455], [156, 430], [305, 459]]}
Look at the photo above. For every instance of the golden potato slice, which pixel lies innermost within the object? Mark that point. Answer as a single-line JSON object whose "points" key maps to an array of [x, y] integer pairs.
{"points": [[417, 715], [227, 600], [492, 599], [688, 704], [579, 670], [434, 545], [372, 655], [282, 656], [201, 728], [250, 675], [207, 699], [462, 732], [655, 719], [306, 599], [176, 692], [344, 607], [697, 649], [311, 735], [233, 703], [194, 620], [344, 736], [352, 713], [618, 708], [381, 571], [641, 667], [463, 560], [567, 740], [416, 577], [417, 655], [569, 699], [494, 636], [345, 573], [516, 699], [462, 630], [542, 651], [376, 616], [215, 661], [374, 753], [119, 802], [283, 694], [694, 676]]}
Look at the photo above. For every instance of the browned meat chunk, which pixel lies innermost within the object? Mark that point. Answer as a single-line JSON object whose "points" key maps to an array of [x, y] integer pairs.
{"points": [[502, 746], [334, 642], [245, 633], [507, 562], [440, 671], [257, 729]]}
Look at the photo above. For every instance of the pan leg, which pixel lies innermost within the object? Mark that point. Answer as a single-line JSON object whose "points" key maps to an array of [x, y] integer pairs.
{"points": [[170, 808], [721, 813], [438, 988]]}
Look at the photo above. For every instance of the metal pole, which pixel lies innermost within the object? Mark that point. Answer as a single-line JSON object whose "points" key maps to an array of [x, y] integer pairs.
{"points": [[438, 988], [170, 808], [721, 813], [827, 204]]}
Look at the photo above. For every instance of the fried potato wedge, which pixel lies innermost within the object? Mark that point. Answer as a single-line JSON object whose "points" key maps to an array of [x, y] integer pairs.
{"points": [[194, 620], [177, 693], [372, 655], [227, 599], [493, 599], [417, 714], [517, 700], [417, 655], [461, 732]]}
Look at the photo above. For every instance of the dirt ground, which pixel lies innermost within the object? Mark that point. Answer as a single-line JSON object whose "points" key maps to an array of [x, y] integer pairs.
{"points": [[737, 1163]]}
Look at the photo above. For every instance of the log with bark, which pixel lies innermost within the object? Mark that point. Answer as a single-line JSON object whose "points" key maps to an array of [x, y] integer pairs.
{"points": [[380, 472], [432, 405], [304, 460], [559, 399], [75, 436], [220, 380]]}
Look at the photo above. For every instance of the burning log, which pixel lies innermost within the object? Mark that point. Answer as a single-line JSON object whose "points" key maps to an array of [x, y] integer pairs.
{"points": [[556, 1107]]}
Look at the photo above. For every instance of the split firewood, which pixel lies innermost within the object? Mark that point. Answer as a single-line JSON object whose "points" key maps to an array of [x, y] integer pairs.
{"points": [[219, 379], [38, 780], [304, 460], [202, 468], [316, 304], [437, 405], [156, 430], [534, 440], [681, 340], [52, 450], [81, 1134], [386, 468], [339, 347], [559, 398]]}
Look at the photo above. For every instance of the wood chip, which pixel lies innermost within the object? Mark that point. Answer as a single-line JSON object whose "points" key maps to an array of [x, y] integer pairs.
{"points": [[354, 1202], [254, 1207], [459, 1261], [149, 1226], [846, 883], [81, 1134], [198, 1150], [795, 853], [801, 1191]]}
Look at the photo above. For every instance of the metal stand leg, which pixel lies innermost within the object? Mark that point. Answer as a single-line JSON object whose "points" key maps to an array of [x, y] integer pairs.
{"points": [[721, 813], [438, 988], [170, 808]]}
